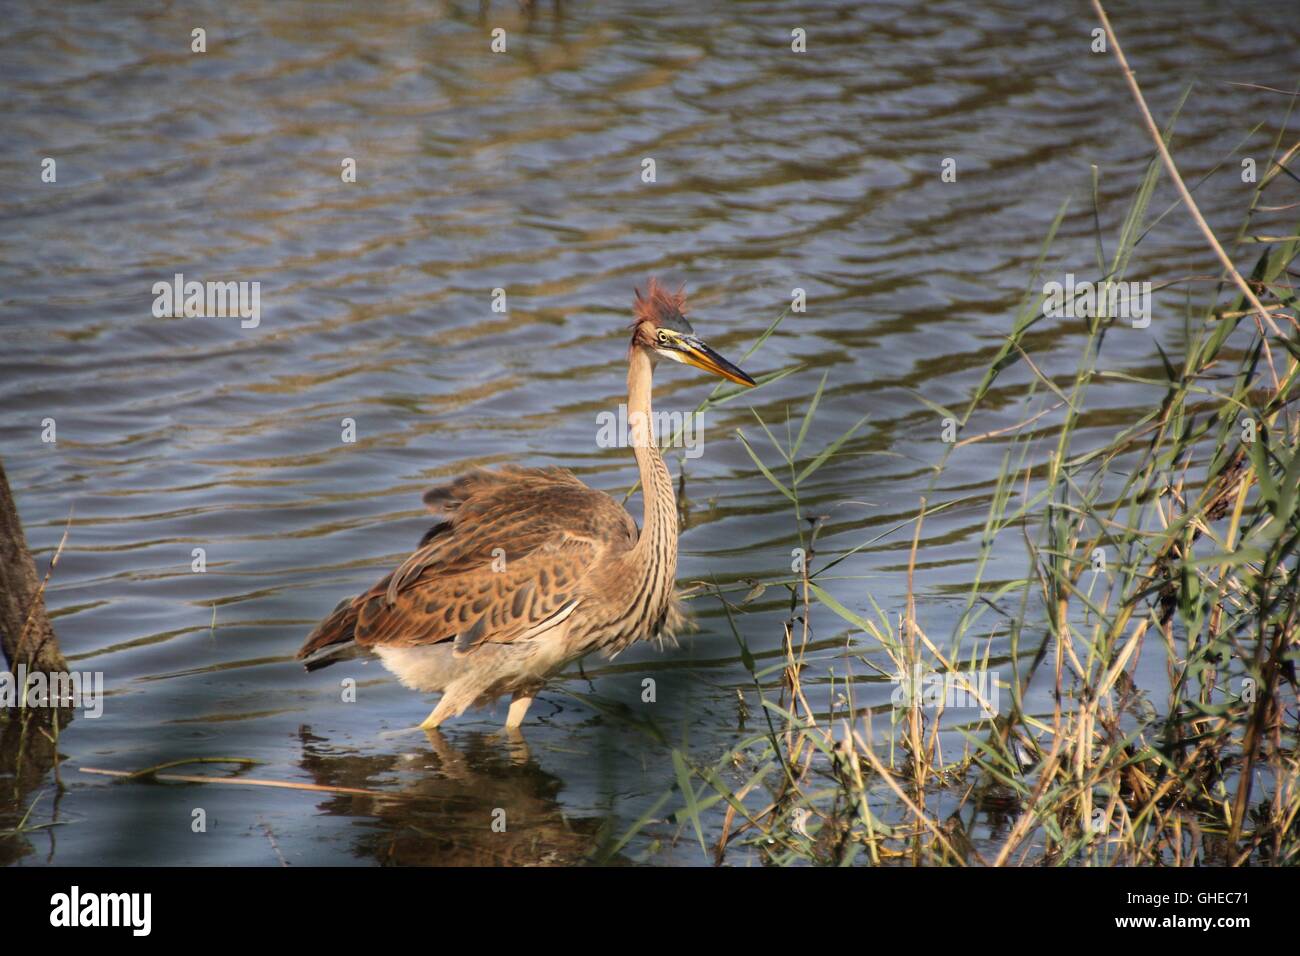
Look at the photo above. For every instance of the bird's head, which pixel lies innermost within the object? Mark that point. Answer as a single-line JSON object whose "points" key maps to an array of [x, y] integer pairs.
{"points": [[661, 329]]}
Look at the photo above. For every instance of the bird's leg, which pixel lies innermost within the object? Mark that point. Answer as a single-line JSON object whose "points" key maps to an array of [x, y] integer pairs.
{"points": [[519, 705], [438, 715]]}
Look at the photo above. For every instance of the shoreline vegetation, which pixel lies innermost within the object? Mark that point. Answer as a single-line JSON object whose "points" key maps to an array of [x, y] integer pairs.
{"points": [[1178, 537]]}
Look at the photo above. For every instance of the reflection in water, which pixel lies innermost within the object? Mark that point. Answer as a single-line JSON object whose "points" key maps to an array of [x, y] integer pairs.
{"points": [[28, 764], [487, 803]]}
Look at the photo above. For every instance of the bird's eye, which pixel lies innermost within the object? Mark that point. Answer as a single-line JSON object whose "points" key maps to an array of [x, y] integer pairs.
{"points": [[663, 336]]}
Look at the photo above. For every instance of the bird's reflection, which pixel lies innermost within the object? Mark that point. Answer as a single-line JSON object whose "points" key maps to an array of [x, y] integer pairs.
{"points": [[485, 802]]}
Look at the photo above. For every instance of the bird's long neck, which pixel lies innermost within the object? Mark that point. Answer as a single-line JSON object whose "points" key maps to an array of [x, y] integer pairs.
{"points": [[657, 546]]}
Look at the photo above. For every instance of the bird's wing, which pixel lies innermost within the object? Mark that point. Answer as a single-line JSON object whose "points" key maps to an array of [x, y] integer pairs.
{"points": [[508, 559]]}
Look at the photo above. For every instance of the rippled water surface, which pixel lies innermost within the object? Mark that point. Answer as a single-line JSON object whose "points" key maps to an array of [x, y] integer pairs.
{"points": [[522, 171]]}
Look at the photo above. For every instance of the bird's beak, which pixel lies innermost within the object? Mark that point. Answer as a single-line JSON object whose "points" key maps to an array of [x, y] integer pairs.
{"points": [[697, 353]]}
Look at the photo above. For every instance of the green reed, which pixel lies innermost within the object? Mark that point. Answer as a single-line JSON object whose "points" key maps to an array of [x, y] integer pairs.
{"points": [[1174, 538]]}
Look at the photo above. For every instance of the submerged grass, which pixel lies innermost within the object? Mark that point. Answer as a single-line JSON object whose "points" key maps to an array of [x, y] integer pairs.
{"points": [[1177, 537]]}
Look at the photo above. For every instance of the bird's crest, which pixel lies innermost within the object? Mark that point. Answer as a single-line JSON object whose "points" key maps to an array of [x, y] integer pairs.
{"points": [[662, 308]]}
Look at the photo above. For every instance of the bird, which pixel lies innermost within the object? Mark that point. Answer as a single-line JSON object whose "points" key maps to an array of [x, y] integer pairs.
{"points": [[528, 569]]}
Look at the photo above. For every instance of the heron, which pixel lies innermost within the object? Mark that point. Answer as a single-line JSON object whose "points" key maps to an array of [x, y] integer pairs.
{"points": [[528, 569]]}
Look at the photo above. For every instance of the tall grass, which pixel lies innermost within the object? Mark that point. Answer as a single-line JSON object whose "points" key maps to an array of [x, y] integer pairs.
{"points": [[1174, 539]]}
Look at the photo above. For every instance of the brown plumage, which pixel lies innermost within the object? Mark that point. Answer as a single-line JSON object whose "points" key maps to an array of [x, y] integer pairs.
{"points": [[529, 569]]}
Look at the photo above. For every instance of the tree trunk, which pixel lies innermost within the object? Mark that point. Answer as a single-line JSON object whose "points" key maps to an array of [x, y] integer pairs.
{"points": [[28, 748], [26, 636]]}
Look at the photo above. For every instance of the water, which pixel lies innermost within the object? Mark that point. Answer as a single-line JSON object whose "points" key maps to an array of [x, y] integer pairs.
{"points": [[522, 171]]}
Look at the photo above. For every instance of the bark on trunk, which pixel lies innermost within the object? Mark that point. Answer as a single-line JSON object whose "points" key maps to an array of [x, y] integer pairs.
{"points": [[26, 636]]}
